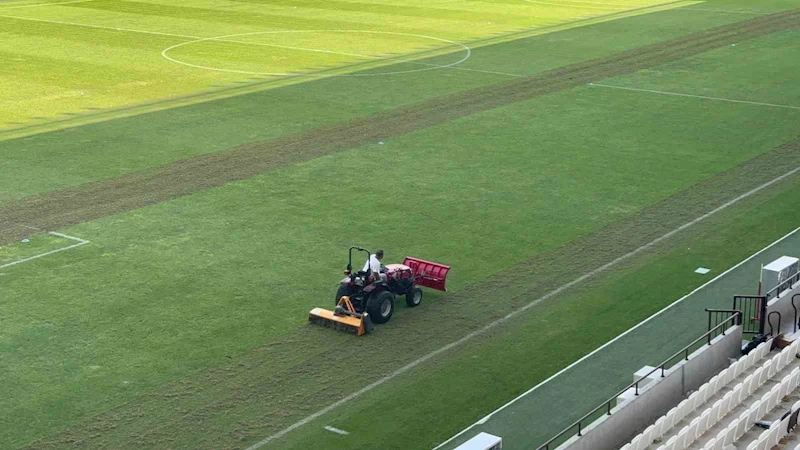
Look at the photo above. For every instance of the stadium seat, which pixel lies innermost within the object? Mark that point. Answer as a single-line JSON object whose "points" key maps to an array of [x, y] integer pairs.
{"points": [[786, 353], [634, 445], [710, 444], [682, 443], [726, 403], [670, 420], [765, 370], [754, 411], [718, 443], [715, 415], [765, 348], [762, 440], [705, 392], [775, 365], [721, 437], [694, 400], [757, 378], [750, 359], [744, 424], [773, 397], [658, 427], [795, 379], [730, 432], [647, 436], [736, 396], [786, 383], [671, 443], [704, 422], [752, 446], [730, 374], [748, 386], [683, 410], [692, 433], [721, 380], [712, 385], [763, 408], [740, 365]]}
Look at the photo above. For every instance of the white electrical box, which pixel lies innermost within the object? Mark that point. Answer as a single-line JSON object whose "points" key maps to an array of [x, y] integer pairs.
{"points": [[777, 272], [482, 441]]}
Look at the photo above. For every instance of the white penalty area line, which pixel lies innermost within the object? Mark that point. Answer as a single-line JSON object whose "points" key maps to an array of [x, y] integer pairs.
{"points": [[63, 249], [598, 349], [519, 311], [703, 97]]}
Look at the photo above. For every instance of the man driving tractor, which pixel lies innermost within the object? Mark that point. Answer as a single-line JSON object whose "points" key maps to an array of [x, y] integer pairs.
{"points": [[373, 265]]}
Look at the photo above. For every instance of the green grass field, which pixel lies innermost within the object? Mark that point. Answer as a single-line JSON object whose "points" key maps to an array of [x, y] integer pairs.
{"points": [[220, 157]]}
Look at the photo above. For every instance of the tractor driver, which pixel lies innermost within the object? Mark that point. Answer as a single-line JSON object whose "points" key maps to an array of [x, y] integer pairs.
{"points": [[373, 265]]}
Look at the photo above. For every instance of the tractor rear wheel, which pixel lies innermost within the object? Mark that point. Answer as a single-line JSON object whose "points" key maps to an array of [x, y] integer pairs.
{"points": [[414, 297], [380, 306]]}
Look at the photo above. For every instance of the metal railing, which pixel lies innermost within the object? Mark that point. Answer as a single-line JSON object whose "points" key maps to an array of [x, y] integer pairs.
{"points": [[734, 319], [786, 284], [769, 320], [716, 317], [754, 311]]}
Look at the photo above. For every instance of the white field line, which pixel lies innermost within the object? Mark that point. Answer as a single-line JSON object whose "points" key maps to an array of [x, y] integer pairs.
{"points": [[563, 5], [218, 39], [678, 94], [517, 312], [72, 238], [489, 416], [44, 4], [336, 430], [100, 27], [723, 11], [448, 66]]}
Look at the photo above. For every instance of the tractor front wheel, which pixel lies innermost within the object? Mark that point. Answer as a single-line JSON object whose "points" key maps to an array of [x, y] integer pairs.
{"points": [[414, 297], [380, 306], [341, 292]]}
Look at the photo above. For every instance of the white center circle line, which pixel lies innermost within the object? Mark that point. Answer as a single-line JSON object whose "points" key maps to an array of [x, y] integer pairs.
{"points": [[226, 38]]}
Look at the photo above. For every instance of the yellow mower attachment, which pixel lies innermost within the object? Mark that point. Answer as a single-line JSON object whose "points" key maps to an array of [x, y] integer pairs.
{"points": [[344, 318]]}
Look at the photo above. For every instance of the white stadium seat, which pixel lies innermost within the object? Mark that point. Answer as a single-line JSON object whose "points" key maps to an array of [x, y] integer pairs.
{"points": [[744, 424], [694, 428], [647, 436], [658, 427]]}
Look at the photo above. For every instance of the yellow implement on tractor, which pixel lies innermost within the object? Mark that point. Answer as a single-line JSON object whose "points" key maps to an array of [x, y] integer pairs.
{"points": [[344, 317]]}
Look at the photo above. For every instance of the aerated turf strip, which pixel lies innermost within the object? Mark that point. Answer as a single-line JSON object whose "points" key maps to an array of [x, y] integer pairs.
{"points": [[273, 386], [99, 199]]}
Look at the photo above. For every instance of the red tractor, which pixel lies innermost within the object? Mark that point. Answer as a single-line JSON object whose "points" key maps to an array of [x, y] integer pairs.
{"points": [[360, 294]]}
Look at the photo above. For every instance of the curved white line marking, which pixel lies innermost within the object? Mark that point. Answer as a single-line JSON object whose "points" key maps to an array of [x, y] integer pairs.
{"points": [[164, 53], [565, 5]]}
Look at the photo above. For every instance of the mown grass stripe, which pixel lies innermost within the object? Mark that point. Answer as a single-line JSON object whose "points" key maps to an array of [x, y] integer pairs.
{"points": [[82, 203]]}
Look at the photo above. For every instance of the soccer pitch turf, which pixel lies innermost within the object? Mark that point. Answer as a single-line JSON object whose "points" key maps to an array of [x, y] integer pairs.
{"points": [[202, 168]]}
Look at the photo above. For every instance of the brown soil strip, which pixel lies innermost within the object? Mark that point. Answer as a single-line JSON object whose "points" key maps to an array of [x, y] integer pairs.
{"points": [[271, 387], [75, 205]]}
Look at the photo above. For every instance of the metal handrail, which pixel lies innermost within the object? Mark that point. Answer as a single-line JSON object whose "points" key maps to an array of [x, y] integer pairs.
{"points": [[710, 311], [737, 315], [769, 321], [795, 312], [781, 287]]}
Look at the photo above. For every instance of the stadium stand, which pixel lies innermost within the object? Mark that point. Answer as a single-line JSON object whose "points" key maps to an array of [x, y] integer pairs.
{"points": [[737, 387]]}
